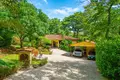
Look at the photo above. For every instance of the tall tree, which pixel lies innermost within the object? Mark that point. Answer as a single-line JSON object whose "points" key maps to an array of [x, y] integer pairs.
{"points": [[28, 19], [44, 23], [55, 26], [102, 14], [75, 23]]}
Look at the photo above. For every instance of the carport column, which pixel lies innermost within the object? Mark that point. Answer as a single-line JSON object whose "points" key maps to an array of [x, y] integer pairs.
{"points": [[88, 50], [58, 43], [30, 58], [52, 42]]}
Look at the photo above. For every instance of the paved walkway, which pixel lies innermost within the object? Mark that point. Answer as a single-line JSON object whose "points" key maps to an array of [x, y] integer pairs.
{"points": [[61, 67]]}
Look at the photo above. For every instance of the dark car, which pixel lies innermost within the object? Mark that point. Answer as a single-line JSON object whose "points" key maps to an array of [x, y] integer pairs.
{"points": [[91, 55]]}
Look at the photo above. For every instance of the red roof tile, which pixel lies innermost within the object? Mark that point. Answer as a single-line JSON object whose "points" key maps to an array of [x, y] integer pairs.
{"points": [[60, 37], [54, 37], [70, 38]]}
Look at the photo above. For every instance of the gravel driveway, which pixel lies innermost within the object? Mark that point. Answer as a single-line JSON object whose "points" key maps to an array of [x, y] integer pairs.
{"points": [[61, 67]]}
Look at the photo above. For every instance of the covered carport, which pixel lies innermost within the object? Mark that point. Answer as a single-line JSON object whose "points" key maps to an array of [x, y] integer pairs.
{"points": [[89, 45]]}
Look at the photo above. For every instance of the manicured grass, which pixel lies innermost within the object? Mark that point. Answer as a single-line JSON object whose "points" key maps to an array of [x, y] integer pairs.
{"points": [[14, 58], [10, 57], [9, 64]]}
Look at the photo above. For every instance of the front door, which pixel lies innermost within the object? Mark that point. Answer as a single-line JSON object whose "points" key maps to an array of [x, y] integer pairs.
{"points": [[55, 44]]}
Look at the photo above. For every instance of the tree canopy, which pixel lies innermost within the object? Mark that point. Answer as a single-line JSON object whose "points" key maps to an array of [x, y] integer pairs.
{"points": [[100, 19]]}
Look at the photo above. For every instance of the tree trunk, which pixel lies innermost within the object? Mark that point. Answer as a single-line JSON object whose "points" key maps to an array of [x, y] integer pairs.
{"points": [[74, 33], [77, 33], [37, 43], [30, 39], [21, 43], [109, 21]]}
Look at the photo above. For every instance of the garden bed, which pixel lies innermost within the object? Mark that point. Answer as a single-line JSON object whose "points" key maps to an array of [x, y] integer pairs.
{"points": [[9, 64]]}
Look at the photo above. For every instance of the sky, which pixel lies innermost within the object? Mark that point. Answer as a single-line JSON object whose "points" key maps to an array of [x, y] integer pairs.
{"points": [[59, 8]]}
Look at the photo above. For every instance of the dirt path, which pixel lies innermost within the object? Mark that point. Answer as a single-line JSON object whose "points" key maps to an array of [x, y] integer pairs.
{"points": [[61, 68]]}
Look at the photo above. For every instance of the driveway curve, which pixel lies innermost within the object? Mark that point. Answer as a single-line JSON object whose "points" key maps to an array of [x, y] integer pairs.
{"points": [[61, 67]]}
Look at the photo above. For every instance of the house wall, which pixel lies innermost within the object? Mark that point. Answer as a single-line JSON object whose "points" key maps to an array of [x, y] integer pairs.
{"points": [[55, 43]]}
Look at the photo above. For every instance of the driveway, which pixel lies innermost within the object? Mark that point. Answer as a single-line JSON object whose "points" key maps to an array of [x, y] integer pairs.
{"points": [[61, 67]]}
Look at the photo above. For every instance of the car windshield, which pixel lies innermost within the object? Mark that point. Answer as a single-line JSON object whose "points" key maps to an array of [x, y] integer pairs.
{"points": [[77, 50]]}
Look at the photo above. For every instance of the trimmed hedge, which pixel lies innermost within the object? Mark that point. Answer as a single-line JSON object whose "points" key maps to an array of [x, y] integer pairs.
{"points": [[39, 62], [108, 58]]}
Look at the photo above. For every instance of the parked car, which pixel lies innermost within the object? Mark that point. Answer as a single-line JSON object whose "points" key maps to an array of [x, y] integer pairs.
{"points": [[78, 53], [91, 55]]}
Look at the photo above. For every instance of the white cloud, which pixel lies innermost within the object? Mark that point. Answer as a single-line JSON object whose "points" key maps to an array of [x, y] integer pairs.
{"points": [[65, 10], [71, 9], [46, 1], [83, 2], [36, 4], [62, 12], [86, 2]]}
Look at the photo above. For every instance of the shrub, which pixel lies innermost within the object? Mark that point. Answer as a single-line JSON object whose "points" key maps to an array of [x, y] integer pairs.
{"points": [[16, 40], [37, 62], [46, 51], [108, 58], [64, 45], [27, 44], [45, 41], [26, 39]]}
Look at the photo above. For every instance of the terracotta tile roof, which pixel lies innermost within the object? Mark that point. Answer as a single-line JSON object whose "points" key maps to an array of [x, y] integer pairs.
{"points": [[60, 37], [70, 38], [54, 37]]}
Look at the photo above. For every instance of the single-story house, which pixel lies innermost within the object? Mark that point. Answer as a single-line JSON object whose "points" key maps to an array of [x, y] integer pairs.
{"points": [[56, 39]]}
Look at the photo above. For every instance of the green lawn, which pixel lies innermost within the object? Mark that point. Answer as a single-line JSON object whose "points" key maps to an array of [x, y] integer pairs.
{"points": [[14, 58], [10, 63], [10, 57]]}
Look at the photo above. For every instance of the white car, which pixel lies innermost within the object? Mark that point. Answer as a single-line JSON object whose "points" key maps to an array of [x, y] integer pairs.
{"points": [[78, 53]]}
